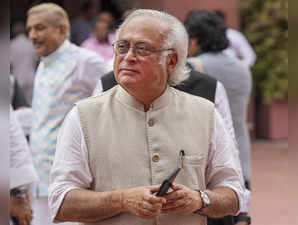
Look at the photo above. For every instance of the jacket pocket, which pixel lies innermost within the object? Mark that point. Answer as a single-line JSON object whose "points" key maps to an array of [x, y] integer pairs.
{"points": [[193, 172]]}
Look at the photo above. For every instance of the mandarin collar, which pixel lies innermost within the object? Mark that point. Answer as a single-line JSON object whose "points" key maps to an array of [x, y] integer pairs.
{"points": [[162, 101], [54, 55]]}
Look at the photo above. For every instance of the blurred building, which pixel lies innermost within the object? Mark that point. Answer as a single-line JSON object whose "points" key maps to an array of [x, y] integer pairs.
{"points": [[178, 8], [118, 7]]}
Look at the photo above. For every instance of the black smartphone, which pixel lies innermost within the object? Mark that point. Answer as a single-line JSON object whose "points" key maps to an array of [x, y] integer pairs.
{"points": [[166, 184]]}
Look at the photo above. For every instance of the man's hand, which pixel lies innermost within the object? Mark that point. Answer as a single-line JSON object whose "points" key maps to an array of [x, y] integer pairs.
{"points": [[182, 200], [21, 209], [141, 202]]}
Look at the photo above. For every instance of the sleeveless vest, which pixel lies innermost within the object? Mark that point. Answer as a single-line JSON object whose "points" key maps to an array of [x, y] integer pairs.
{"points": [[128, 147]]}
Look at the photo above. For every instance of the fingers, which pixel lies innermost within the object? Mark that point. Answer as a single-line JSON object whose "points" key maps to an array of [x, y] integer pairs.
{"points": [[176, 204], [23, 220], [147, 210], [154, 188], [141, 202], [146, 214], [153, 208], [29, 217], [176, 187], [176, 194], [181, 200], [154, 199]]}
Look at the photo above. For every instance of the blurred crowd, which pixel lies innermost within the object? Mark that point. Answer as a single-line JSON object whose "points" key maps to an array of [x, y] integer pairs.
{"points": [[54, 63]]}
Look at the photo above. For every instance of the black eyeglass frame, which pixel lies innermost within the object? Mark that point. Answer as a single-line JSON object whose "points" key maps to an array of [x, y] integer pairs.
{"points": [[135, 49]]}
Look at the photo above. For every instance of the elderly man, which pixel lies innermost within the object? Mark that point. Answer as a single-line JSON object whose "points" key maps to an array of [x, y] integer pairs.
{"points": [[115, 149], [66, 74]]}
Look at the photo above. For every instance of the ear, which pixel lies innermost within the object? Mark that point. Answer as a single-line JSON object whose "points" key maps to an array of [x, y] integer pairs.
{"points": [[172, 61], [63, 29], [193, 47]]}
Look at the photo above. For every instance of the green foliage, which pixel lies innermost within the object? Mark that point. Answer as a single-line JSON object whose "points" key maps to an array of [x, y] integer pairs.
{"points": [[265, 24]]}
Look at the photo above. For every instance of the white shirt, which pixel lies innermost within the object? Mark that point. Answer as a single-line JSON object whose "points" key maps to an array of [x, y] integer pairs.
{"points": [[25, 117], [240, 48], [22, 171], [71, 168]]}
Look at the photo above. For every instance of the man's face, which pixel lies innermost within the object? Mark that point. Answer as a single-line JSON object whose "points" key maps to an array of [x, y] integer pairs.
{"points": [[142, 73], [45, 36], [193, 47], [101, 31]]}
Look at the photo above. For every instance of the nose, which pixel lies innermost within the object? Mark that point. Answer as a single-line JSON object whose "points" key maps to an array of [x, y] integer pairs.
{"points": [[130, 55], [32, 34]]}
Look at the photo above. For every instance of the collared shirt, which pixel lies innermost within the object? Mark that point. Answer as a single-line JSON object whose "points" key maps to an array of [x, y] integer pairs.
{"points": [[21, 169], [71, 168], [64, 77], [104, 49], [240, 48]]}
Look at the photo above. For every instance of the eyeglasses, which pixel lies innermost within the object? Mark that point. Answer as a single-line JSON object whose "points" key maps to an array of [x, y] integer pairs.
{"points": [[141, 49]]}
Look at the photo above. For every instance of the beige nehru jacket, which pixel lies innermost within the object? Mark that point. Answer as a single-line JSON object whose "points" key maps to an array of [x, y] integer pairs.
{"points": [[128, 147]]}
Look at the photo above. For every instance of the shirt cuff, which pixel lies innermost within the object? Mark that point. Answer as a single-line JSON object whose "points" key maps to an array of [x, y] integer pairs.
{"points": [[55, 201], [27, 176]]}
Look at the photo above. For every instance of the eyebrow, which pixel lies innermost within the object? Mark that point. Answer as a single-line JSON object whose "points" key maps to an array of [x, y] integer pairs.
{"points": [[137, 42]]}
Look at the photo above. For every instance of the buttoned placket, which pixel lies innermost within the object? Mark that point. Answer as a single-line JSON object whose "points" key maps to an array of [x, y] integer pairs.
{"points": [[155, 158]]}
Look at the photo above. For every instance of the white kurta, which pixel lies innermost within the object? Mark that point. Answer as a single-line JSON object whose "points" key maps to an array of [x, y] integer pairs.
{"points": [[64, 77]]}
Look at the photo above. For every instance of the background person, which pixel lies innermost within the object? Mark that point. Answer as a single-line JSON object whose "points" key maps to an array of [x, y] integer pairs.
{"points": [[239, 46], [66, 74], [101, 41], [21, 173], [207, 41], [82, 26], [23, 60]]}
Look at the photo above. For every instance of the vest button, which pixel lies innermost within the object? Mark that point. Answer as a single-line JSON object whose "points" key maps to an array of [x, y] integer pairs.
{"points": [[151, 122], [155, 157]]}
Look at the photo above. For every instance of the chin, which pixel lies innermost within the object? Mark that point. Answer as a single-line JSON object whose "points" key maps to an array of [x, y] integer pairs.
{"points": [[127, 81], [41, 52]]}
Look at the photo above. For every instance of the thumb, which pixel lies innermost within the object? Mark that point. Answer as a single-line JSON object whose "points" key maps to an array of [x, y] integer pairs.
{"points": [[154, 188], [176, 187]]}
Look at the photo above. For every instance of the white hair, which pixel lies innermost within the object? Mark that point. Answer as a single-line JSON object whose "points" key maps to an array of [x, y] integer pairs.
{"points": [[176, 38], [56, 15]]}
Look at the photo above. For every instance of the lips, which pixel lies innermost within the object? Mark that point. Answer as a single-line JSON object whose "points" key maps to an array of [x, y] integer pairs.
{"points": [[128, 70], [37, 43]]}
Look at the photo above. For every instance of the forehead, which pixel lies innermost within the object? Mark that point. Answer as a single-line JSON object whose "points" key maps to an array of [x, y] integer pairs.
{"points": [[143, 29], [38, 18]]}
